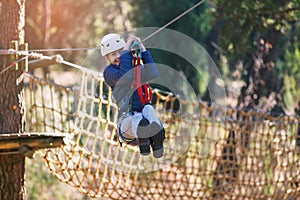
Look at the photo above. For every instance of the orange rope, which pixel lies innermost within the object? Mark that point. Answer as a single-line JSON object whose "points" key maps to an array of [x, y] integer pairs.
{"points": [[221, 153]]}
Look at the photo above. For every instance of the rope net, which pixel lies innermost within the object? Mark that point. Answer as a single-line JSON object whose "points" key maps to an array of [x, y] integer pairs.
{"points": [[217, 153]]}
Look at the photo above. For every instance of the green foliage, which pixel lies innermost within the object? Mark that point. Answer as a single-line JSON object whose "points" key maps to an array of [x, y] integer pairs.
{"points": [[291, 77], [195, 24], [157, 13], [241, 21], [233, 26], [41, 184], [288, 70], [241, 25]]}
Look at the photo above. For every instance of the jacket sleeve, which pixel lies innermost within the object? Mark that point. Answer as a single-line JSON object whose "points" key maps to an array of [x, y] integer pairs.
{"points": [[149, 71], [120, 74]]}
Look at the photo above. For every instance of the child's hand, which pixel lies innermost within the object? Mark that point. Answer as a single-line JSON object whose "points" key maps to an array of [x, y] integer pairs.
{"points": [[130, 41], [140, 43]]}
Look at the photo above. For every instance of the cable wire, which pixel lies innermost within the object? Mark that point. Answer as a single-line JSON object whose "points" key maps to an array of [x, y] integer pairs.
{"points": [[148, 37], [34, 53], [174, 20]]}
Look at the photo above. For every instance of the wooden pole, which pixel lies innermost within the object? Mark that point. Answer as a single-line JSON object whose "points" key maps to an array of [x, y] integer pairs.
{"points": [[12, 106]]}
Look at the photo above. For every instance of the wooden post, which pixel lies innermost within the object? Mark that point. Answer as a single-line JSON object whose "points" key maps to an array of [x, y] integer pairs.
{"points": [[24, 63], [13, 58], [12, 104]]}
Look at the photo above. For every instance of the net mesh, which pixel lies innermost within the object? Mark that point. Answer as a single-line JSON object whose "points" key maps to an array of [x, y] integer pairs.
{"points": [[219, 152]]}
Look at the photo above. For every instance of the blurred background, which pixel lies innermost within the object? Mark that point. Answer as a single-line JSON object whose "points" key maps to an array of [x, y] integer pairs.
{"points": [[255, 45]]}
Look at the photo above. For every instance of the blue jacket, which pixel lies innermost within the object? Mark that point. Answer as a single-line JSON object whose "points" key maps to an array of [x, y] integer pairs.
{"points": [[120, 78]]}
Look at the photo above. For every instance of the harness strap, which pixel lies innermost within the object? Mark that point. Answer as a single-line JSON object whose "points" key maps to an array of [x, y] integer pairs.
{"points": [[144, 91]]}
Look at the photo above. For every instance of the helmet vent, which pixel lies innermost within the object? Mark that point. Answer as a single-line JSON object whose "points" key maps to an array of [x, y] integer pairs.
{"points": [[110, 43]]}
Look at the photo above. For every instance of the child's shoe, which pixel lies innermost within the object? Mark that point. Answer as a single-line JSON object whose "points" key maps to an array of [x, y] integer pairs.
{"points": [[143, 137], [157, 139]]}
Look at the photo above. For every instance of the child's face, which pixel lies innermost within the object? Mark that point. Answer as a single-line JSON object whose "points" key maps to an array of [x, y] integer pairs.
{"points": [[114, 57]]}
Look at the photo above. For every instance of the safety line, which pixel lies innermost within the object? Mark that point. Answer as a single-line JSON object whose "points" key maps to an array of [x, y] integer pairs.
{"points": [[173, 20], [12, 65], [34, 53], [148, 37]]}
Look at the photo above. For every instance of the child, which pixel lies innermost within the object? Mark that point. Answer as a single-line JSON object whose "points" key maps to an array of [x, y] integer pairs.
{"points": [[137, 122]]}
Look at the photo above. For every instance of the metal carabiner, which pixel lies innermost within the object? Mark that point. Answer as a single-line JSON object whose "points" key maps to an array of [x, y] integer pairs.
{"points": [[136, 49]]}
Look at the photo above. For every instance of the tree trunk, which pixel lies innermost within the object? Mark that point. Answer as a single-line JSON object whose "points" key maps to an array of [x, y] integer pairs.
{"points": [[12, 106]]}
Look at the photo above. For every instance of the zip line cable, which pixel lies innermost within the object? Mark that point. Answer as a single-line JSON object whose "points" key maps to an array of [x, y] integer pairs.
{"points": [[173, 20], [148, 37], [32, 54]]}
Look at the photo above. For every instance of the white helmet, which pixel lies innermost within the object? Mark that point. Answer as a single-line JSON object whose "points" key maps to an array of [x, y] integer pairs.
{"points": [[111, 42]]}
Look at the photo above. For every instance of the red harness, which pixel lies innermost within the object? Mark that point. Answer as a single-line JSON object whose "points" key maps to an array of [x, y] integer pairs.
{"points": [[144, 91]]}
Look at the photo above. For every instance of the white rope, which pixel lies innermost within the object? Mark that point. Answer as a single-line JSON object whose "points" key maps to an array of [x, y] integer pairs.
{"points": [[25, 55], [95, 48], [65, 49], [12, 65], [81, 68], [34, 53]]}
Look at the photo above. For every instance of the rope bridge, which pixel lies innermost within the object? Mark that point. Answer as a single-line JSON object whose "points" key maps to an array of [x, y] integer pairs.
{"points": [[214, 153]]}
